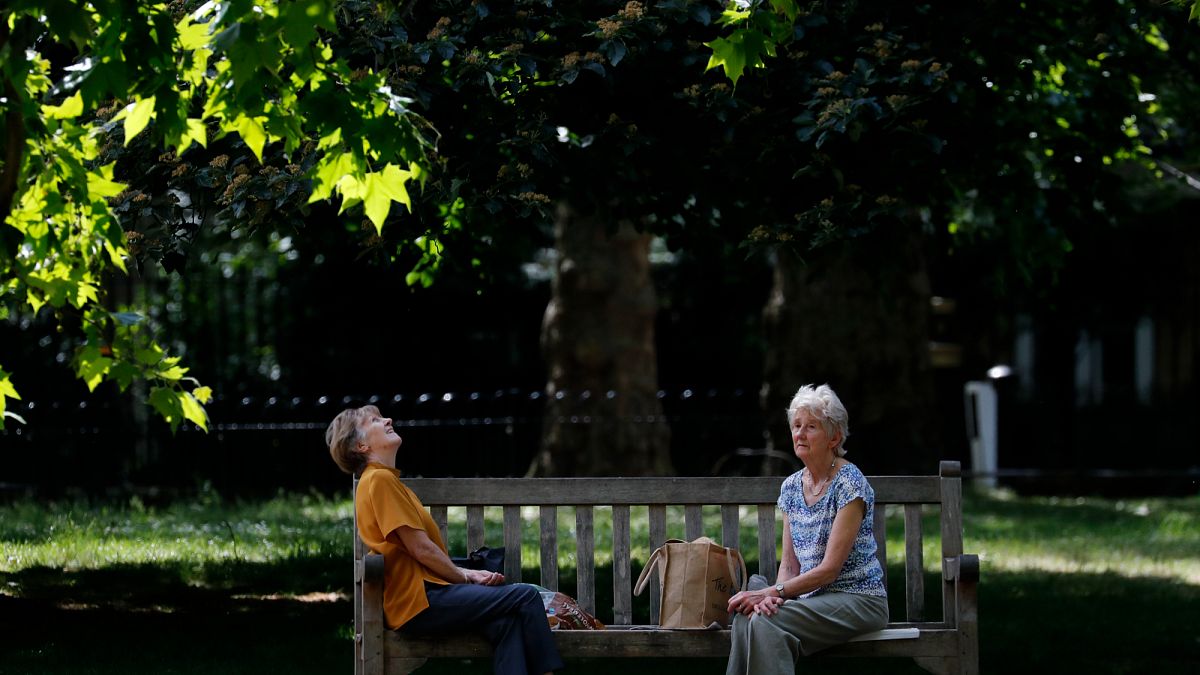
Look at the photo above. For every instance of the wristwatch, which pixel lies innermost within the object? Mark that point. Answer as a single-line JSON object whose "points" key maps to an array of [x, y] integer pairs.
{"points": [[779, 590]]}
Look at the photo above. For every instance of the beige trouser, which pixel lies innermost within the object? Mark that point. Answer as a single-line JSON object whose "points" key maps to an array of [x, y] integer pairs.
{"points": [[767, 645]]}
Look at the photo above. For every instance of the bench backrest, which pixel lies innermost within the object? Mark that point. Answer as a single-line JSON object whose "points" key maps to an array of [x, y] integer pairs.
{"points": [[909, 493]]}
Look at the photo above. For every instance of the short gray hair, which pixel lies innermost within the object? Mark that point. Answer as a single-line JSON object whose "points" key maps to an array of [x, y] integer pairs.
{"points": [[823, 404], [343, 436]]}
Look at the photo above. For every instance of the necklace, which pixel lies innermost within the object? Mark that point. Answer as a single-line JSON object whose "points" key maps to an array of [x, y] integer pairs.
{"points": [[816, 488]]}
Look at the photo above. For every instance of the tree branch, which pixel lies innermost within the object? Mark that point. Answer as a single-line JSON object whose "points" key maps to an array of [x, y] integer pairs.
{"points": [[1187, 178]]}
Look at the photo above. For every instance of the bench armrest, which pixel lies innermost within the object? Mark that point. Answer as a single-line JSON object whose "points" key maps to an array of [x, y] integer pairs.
{"points": [[368, 575], [369, 569], [962, 568]]}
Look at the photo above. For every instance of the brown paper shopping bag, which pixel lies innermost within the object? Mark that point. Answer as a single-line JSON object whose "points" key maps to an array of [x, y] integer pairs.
{"points": [[697, 579]]}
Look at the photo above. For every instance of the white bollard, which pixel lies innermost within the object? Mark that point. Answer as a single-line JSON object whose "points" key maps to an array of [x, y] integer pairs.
{"points": [[982, 429]]}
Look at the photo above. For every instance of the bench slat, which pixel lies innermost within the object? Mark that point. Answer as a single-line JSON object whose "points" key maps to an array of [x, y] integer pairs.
{"points": [[512, 543], [636, 491], [443, 522], [767, 565], [914, 563], [693, 520], [549, 548], [729, 526], [637, 641], [880, 528], [474, 527], [658, 537], [585, 559], [622, 583]]}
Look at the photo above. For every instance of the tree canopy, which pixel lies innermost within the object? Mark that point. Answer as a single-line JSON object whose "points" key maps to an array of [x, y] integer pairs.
{"points": [[976, 125], [82, 75]]}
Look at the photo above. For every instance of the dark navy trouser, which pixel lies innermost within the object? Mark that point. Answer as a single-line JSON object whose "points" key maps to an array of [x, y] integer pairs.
{"points": [[512, 618]]}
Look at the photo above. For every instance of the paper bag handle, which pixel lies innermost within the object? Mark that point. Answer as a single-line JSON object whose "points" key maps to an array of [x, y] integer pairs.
{"points": [[729, 554], [659, 557]]}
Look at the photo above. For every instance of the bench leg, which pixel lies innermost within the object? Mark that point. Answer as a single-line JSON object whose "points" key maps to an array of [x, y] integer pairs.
{"points": [[967, 600]]}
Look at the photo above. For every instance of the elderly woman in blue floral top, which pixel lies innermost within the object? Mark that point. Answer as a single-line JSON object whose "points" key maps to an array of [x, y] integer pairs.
{"points": [[830, 585]]}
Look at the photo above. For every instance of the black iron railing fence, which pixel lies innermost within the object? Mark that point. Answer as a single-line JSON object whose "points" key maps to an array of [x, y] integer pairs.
{"points": [[266, 443], [259, 445]]}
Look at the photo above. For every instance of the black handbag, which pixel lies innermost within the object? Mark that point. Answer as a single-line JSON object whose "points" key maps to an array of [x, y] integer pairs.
{"points": [[482, 558]]}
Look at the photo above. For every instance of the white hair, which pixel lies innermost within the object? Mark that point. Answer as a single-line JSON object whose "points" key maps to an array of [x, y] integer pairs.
{"points": [[823, 404]]}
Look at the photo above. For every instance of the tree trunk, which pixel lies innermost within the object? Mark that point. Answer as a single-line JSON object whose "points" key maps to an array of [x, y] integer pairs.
{"points": [[602, 413], [855, 315]]}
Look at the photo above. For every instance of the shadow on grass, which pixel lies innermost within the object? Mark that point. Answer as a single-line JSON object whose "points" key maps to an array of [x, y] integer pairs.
{"points": [[295, 616], [1165, 528]]}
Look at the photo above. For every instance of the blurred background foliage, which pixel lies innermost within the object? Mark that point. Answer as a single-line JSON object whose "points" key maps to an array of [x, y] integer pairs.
{"points": [[621, 256]]}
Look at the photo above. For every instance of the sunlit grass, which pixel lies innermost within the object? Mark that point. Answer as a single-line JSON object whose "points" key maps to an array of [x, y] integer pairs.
{"points": [[201, 540], [1157, 538], [1144, 538]]}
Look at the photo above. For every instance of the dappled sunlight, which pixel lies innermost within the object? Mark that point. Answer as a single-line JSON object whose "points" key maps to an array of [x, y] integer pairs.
{"points": [[1132, 538], [291, 548], [1085, 561], [69, 606], [76, 606], [189, 536], [293, 597]]}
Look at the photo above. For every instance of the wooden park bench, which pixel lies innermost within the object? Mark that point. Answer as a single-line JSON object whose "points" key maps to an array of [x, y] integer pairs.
{"points": [[942, 642]]}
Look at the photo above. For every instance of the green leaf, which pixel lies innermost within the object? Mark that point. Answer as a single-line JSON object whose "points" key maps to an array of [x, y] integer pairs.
{"points": [[202, 394], [100, 184], [7, 390], [743, 48], [392, 179], [70, 108], [114, 255], [376, 204], [168, 405], [419, 277], [381, 189], [192, 410], [192, 36], [787, 8], [302, 18], [733, 15], [252, 132], [137, 115], [123, 374], [1156, 39], [92, 366], [149, 355], [329, 172], [195, 131], [173, 374]]}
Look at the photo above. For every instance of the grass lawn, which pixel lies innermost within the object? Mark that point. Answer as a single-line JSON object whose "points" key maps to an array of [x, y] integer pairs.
{"points": [[211, 585]]}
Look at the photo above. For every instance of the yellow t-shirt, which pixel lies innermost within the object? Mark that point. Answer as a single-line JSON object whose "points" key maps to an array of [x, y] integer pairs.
{"points": [[384, 505]]}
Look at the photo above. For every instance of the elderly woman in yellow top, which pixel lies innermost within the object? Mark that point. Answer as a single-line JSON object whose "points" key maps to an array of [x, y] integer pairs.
{"points": [[423, 591], [830, 585]]}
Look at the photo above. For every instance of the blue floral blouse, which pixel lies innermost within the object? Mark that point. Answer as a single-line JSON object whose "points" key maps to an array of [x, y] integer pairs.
{"points": [[811, 526]]}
